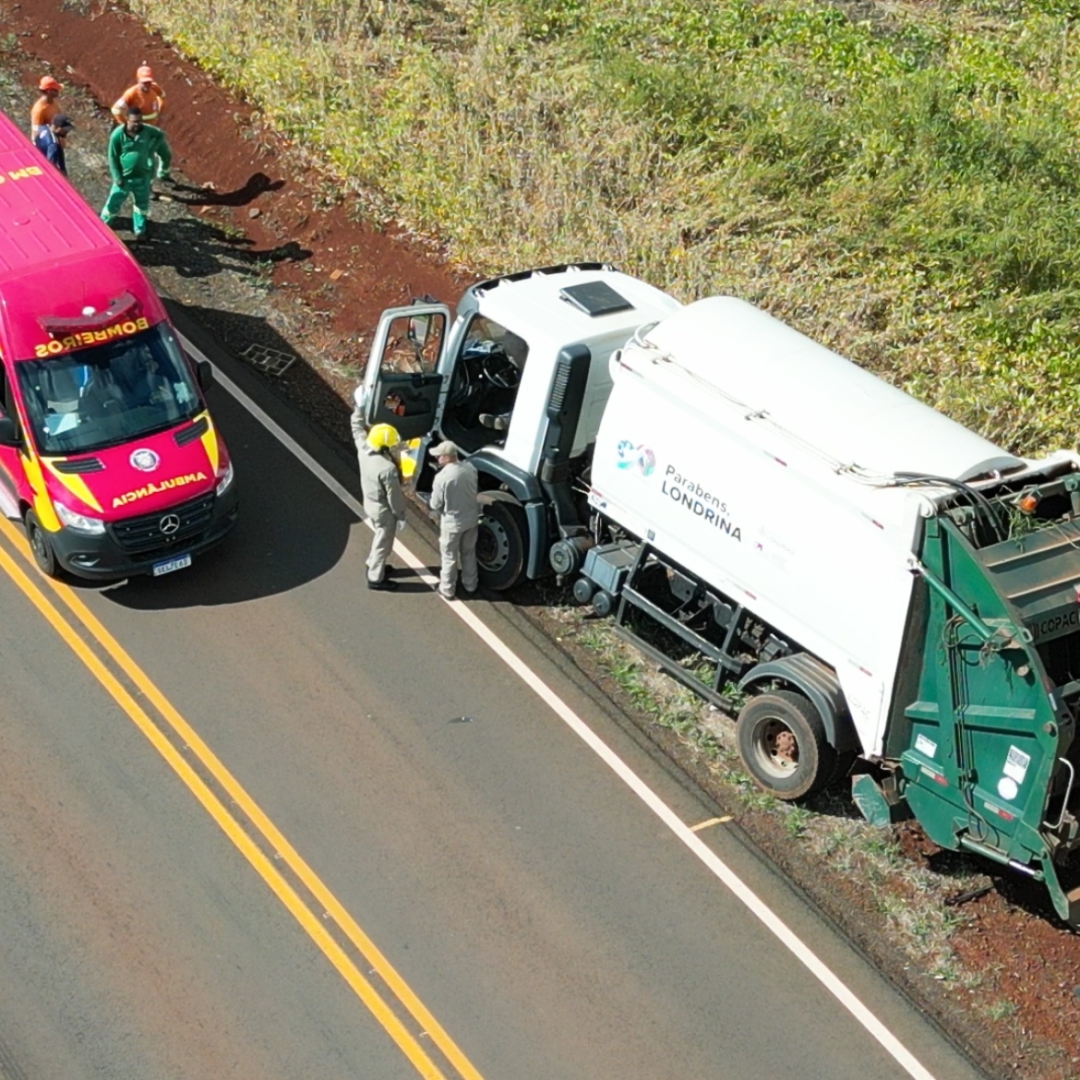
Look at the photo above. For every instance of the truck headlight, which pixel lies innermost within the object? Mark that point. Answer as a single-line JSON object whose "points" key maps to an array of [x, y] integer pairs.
{"points": [[92, 526], [225, 478]]}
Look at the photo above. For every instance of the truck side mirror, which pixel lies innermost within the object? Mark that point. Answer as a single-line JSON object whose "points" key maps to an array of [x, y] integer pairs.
{"points": [[419, 327], [9, 436], [204, 371]]}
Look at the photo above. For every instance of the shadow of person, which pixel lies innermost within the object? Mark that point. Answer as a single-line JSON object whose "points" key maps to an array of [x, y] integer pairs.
{"points": [[257, 184], [409, 584], [196, 249], [290, 251]]}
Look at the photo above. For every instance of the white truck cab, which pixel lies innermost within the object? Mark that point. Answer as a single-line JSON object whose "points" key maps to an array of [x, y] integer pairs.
{"points": [[518, 380]]}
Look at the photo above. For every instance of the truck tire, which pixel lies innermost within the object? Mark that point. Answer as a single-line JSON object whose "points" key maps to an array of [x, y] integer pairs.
{"points": [[500, 544], [783, 746], [40, 545]]}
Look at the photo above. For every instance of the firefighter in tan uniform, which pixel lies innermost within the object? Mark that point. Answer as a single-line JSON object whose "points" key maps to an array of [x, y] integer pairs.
{"points": [[454, 503], [384, 500]]}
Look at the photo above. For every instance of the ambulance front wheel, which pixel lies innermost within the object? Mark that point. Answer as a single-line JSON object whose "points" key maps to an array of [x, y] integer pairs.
{"points": [[783, 745], [40, 545]]}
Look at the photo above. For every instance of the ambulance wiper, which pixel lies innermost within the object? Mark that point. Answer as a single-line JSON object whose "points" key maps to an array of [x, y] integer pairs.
{"points": [[142, 433], [165, 425]]}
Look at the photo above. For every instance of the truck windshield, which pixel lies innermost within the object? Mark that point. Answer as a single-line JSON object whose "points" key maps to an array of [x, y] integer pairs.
{"points": [[108, 394]]}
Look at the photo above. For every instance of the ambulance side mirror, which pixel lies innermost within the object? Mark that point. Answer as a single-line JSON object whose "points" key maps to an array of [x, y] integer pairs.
{"points": [[9, 436], [204, 372]]}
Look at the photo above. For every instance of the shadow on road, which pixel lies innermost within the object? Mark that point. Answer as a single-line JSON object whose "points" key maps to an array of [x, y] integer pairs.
{"points": [[292, 529], [239, 334], [283, 540]]}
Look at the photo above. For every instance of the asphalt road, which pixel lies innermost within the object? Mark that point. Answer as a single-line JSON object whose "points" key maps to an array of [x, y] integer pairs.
{"points": [[550, 921]]}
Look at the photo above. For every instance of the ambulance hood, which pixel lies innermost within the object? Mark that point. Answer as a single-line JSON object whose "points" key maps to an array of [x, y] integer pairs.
{"points": [[142, 476]]}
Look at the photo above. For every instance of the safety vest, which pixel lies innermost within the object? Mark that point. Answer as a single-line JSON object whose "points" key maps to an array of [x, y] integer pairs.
{"points": [[151, 102]]}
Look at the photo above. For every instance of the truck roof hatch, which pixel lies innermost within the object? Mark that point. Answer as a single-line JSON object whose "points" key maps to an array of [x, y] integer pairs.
{"points": [[595, 298]]}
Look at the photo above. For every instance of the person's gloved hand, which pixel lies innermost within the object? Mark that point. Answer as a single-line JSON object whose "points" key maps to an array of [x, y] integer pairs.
{"points": [[164, 175], [400, 524]]}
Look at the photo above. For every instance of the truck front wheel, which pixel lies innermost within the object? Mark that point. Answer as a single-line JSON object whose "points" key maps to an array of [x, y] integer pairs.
{"points": [[783, 745], [500, 544]]}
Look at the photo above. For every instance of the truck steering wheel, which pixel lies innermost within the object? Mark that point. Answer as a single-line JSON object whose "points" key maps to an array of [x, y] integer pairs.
{"points": [[501, 371]]}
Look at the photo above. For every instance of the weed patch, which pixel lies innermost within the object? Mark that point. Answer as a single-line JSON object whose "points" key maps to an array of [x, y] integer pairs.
{"points": [[900, 185]]}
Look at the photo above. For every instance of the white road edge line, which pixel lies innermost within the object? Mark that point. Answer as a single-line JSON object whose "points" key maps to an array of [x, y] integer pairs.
{"points": [[903, 1057]]}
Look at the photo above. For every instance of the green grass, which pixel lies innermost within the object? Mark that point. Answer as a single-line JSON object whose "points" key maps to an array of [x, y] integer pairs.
{"points": [[901, 186], [1000, 1009]]}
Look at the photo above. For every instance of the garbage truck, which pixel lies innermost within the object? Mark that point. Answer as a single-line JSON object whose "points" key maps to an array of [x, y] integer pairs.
{"points": [[888, 593]]}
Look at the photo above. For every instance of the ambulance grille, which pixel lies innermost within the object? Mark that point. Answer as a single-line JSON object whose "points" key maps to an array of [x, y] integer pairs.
{"points": [[145, 534]]}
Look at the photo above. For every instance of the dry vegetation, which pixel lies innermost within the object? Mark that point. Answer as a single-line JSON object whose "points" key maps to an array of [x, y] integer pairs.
{"points": [[898, 180]]}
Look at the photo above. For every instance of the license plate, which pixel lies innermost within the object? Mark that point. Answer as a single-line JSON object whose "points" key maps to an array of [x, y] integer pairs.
{"points": [[170, 565]]}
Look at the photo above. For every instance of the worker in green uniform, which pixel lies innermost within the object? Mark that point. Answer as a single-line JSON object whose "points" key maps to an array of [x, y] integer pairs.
{"points": [[132, 150]]}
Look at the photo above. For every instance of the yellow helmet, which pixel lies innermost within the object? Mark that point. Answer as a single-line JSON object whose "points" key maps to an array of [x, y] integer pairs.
{"points": [[383, 436]]}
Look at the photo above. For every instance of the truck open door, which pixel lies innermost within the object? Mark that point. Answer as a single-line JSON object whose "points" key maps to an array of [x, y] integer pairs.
{"points": [[402, 384]]}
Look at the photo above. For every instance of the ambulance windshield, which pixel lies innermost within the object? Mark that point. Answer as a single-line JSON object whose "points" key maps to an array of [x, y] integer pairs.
{"points": [[108, 394]]}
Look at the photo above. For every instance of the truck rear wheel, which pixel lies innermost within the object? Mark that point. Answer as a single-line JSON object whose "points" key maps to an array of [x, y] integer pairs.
{"points": [[40, 545], [783, 745], [500, 544]]}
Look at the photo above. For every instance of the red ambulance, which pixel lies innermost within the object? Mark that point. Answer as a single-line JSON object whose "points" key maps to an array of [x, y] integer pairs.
{"points": [[108, 453]]}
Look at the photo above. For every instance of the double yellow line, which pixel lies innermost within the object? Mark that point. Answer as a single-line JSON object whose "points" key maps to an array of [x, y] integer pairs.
{"points": [[243, 834]]}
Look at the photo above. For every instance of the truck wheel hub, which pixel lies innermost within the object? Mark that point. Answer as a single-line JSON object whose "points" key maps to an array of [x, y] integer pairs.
{"points": [[492, 546], [780, 746]]}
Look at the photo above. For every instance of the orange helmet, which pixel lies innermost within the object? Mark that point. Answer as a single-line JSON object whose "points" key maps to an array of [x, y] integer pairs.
{"points": [[49, 83], [144, 74]]}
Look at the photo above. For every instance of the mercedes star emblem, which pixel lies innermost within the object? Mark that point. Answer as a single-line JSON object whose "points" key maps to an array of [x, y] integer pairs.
{"points": [[169, 524]]}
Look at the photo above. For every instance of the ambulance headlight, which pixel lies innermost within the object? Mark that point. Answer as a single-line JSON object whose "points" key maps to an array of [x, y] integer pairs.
{"points": [[224, 479], [79, 522]]}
